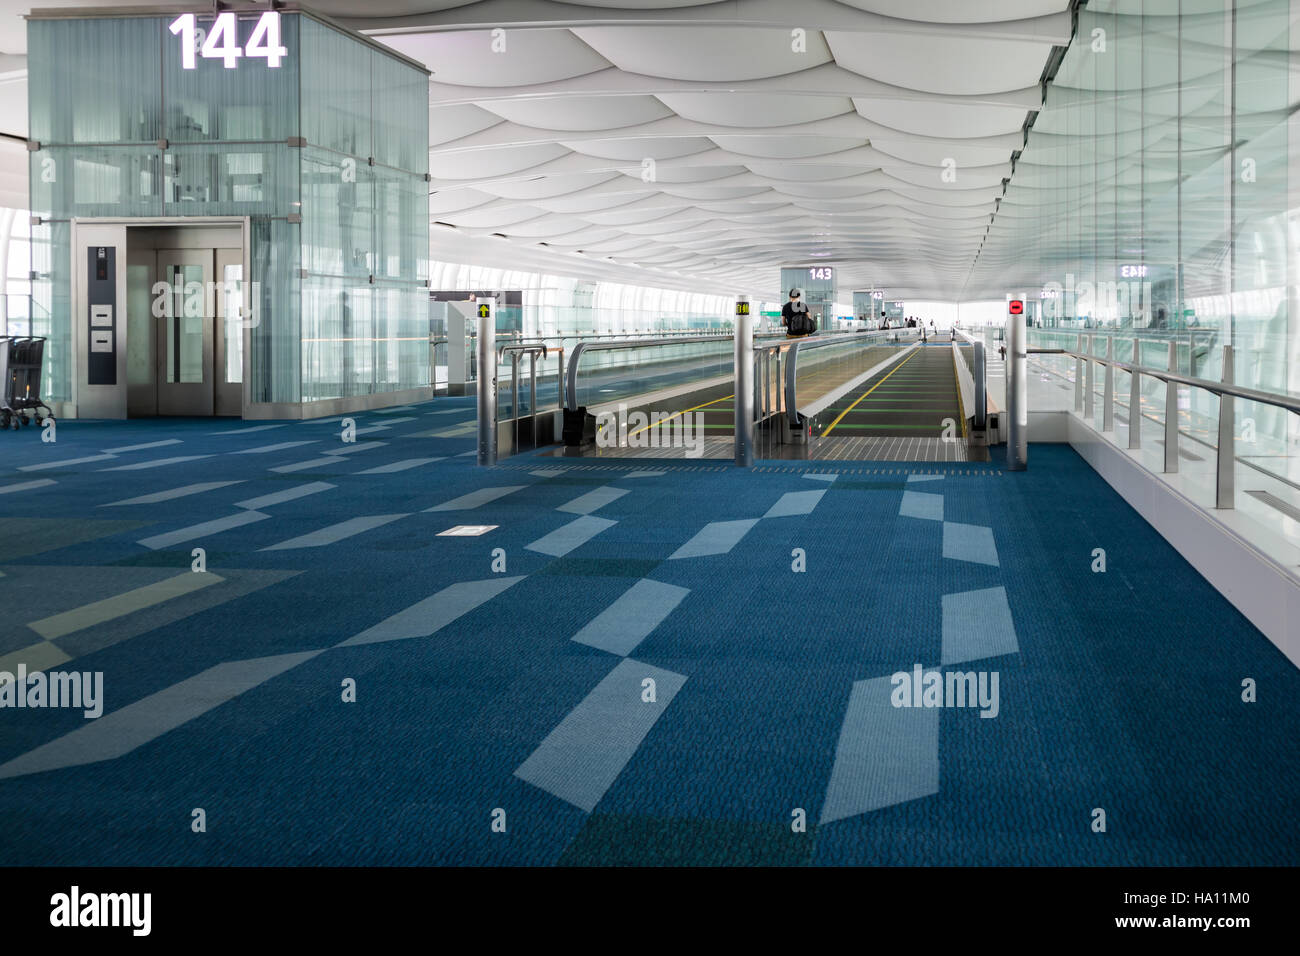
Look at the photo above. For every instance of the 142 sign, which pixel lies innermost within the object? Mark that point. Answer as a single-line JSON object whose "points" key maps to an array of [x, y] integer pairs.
{"points": [[221, 41]]}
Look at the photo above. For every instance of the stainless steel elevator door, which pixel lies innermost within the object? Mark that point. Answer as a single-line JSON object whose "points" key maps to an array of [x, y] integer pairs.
{"points": [[185, 353]]}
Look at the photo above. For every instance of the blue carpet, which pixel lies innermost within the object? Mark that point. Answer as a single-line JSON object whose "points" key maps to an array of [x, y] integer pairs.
{"points": [[1123, 692]]}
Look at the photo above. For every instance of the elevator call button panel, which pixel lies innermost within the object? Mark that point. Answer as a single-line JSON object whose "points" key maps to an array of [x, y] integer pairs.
{"points": [[101, 298]]}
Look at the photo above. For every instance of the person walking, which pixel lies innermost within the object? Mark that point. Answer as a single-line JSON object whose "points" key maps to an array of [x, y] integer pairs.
{"points": [[796, 318]]}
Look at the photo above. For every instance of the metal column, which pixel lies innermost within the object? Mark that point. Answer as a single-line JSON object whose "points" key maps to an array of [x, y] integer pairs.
{"points": [[1225, 478], [1017, 395], [487, 381], [744, 392], [1135, 399]]}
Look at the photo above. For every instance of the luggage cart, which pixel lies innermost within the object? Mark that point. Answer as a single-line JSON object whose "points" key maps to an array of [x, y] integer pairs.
{"points": [[20, 372]]}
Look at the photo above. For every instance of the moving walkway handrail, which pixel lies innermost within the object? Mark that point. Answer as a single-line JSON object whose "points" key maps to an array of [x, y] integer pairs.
{"points": [[571, 381], [979, 373], [805, 343], [660, 333], [1225, 449]]}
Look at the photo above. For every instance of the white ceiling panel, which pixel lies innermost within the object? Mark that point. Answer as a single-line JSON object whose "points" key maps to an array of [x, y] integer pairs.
{"points": [[755, 111], [716, 53], [581, 112], [466, 57], [959, 120], [950, 65]]}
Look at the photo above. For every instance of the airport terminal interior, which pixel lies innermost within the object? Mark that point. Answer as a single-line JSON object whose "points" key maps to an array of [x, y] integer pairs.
{"points": [[650, 433]]}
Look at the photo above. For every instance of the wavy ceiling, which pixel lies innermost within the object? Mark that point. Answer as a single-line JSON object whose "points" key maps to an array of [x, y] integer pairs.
{"points": [[705, 145], [698, 145]]}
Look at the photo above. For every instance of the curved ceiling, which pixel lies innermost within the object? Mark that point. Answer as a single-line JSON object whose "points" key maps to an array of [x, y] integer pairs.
{"points": [[705, 145]]}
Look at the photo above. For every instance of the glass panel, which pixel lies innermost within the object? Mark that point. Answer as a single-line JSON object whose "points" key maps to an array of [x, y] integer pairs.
{"points": [[400, 108], [401, 337], [222, 180], [402, 226], [253, 102], [233, 286], [183, 344], [338, 215], [276, 336], [337, 341], [86, 181], [1259, 273], [94, 81], [139, 325], [336, 91], [51, 246]]}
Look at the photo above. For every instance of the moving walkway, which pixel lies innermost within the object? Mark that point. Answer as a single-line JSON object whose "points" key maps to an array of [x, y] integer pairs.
{"points": [[889, 395]]}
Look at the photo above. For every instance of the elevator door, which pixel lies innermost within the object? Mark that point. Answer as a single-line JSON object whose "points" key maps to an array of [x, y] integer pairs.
{"points": [[186, 383], [228, 355]]}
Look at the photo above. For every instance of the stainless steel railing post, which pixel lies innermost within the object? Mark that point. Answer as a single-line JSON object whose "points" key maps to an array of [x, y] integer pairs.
{"points": [[1088, 374], [532, 393], [1225, 464], [1108, 388], [1171, 414], [559, 378], [1135, 398], [1078, 377], [514, 401]]}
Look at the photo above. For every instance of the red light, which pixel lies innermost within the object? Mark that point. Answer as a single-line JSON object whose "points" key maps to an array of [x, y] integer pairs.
{"points": [[1016, 307]]}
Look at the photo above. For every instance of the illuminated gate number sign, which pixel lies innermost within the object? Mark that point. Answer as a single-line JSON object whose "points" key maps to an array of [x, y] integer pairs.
{"points": [[222, 41]]}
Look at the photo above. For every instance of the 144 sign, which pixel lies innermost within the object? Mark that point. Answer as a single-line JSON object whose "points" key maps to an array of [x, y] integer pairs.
{"points": [[221, 41]]}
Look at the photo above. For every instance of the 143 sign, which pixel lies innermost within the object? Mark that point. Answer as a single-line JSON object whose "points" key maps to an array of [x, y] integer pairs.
{"points": [[221, 41]]}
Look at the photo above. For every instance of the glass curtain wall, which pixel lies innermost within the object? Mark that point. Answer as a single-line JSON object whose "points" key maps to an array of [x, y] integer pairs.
{"points": [[1154, 199], [125, 131], [365, 215], [327, 154]]}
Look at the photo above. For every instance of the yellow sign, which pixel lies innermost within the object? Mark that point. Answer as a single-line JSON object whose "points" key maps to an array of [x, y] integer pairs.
{"points": [[742, 308], [484, 311]]}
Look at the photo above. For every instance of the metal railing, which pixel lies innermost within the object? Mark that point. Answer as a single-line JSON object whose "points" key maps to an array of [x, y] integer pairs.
{"points": [[515, 354], [787, 353], [583, 348], [630, 333], [978, 371], [1225, 492], [763, 370], [439, 342]]}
